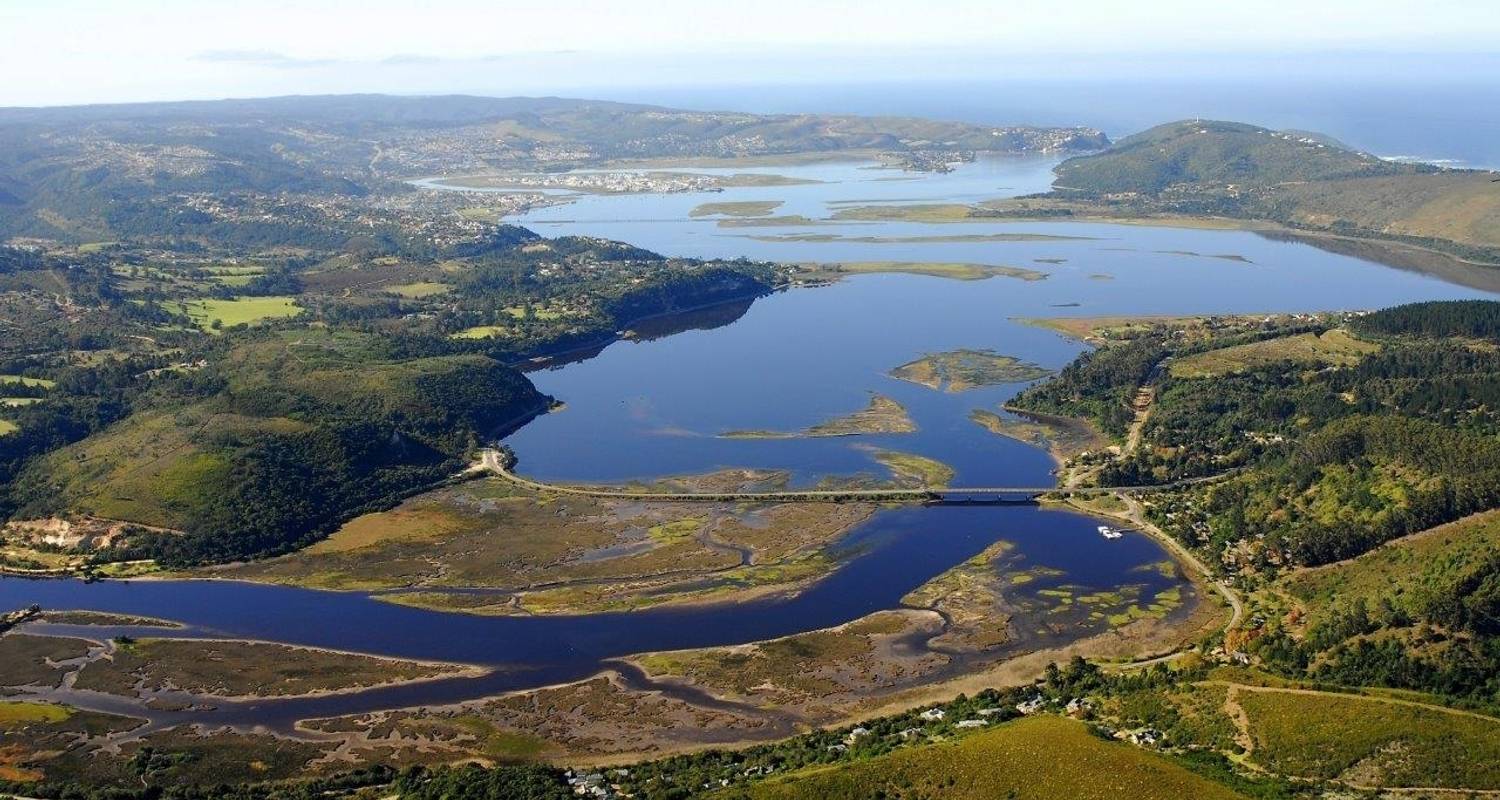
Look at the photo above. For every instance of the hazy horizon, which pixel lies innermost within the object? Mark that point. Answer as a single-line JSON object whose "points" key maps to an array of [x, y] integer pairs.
{"points": [[90, 51]]}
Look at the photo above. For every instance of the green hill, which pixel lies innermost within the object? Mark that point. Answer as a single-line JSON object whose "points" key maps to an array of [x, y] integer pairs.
{"points": [[1210, 153], [290, 434], [1298, 179]]}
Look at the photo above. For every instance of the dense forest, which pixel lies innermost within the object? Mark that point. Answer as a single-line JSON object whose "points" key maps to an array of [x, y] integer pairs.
{"points": [[1337, 457], [1324, 455]]}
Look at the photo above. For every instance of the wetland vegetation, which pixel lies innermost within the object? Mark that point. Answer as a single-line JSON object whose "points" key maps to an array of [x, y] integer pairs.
{"points": [[285, 391], [962, 370]]}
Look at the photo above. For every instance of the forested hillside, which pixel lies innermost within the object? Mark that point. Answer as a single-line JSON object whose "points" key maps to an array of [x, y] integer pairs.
{"points": [[1358, 466], [1343, 442], [189, 407]]}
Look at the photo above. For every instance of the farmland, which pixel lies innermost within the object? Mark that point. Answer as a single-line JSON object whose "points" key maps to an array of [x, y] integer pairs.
{"points": [[212, 315]]}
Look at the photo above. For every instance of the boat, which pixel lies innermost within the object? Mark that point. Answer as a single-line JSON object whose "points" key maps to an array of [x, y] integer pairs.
{"points": [[1110, 533]]}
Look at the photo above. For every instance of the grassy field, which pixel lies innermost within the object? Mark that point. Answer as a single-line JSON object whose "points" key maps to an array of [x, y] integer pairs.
{"points": [[1371, 742], [7, 427], [20, 714], [25, 381], [938, 269], [482, 332], [1462, 207], [419, 290], [1037, 758], [405, 524], [912, 468], [537, 312], [739, 208], [1335, 347], [240, 311], [961, 370], [147, 467]]}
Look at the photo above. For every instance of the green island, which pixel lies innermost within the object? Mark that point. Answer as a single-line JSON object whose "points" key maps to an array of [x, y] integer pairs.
{"points": [[962, 370], [882, 415], [736, 208]]}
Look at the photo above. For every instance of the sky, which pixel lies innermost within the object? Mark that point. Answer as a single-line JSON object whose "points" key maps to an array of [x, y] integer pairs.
{"points": [[55, 52]]}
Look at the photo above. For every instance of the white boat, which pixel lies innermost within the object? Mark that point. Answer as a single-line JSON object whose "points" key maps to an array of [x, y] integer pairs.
{"points": [[1110, 533]]}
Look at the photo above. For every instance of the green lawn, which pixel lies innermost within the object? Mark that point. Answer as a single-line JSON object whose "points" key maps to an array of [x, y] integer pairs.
{"points": [[7, 427], [239, 311], [20, 714], [25, 381], [419, 290], [1037, 758], [537, 312], [482, 332]]}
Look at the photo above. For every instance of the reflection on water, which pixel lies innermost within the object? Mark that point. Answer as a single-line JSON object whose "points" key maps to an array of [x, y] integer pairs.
{"points": [[655, 403], [648, 408]]}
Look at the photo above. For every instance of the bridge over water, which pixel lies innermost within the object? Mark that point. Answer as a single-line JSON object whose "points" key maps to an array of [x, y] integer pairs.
{"points": [[495, 462]]}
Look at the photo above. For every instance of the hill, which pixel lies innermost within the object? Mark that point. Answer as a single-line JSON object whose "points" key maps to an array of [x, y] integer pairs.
{"points": [[1039, 757], [1298, 179], [79, 171], [190, 407], [1230, 155], [291, 433], [1357, 471]]}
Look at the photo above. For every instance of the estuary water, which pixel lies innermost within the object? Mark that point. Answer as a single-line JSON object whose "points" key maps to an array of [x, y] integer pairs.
{"points": [[651, 406], [642, 409]]}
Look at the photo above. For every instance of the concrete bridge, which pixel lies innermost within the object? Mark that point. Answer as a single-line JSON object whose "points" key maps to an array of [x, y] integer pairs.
{"points": [[495, 462]]}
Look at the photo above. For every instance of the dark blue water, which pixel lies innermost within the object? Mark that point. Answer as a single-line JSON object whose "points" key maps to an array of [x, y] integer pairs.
{"points": [[897, 551], [653, 407], [643, 409], [900, 550]]}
